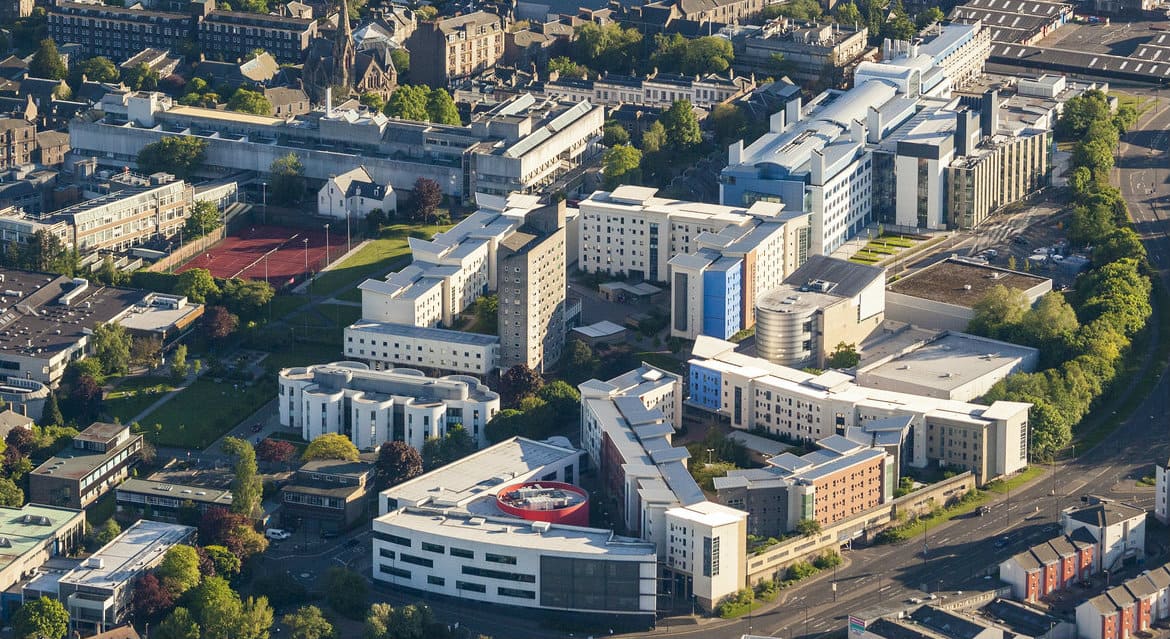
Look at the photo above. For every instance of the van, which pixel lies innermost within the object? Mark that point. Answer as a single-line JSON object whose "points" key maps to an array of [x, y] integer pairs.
{"points": [[276, 534]]}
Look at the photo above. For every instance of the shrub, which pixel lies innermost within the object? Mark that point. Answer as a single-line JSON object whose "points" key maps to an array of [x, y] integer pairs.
{"points": [[800, 570], [830, 559], [735, 605]]}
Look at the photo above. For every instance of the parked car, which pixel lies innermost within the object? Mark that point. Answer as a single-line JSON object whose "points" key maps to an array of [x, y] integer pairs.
{"points": [[329, 534], [276, 534], [1002, 542]]}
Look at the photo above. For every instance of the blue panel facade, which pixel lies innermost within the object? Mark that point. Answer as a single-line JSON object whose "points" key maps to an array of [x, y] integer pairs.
{"points": [[704, 387], [722, 298]]}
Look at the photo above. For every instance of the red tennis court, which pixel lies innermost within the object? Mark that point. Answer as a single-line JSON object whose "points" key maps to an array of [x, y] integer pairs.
{"points": [[276, 252]]}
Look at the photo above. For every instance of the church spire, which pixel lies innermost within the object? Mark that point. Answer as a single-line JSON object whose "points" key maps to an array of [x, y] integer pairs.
{"points": [[343, 51]]}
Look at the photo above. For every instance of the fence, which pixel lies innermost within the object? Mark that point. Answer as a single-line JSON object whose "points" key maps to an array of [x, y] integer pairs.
{"points": [[185, 252], [777, 558]]}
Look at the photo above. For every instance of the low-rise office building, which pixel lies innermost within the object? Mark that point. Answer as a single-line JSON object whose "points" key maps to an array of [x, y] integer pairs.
{"points": [[997, 619], [1119, 529], [100, 458], [943, 295], [950, 365], [1052, 566], [58, 318], [841, 479], [521, 145], [1014, 21], [386, 345], [374, 407], [35, 535], [162, 316], [446, 533], [163, 500], [1129, 609], [991, 441], [824, 303], [330, 495], [98, 593]]}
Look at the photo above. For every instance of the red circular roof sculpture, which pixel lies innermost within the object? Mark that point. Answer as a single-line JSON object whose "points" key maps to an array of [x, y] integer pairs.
{"points": [[552, 501]]}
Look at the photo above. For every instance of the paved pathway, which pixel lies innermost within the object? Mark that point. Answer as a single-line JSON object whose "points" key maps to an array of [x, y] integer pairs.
{"points": [[191, 377]]}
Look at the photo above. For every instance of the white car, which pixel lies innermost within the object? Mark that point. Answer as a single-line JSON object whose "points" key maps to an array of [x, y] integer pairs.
{"points": [[277, 534]]}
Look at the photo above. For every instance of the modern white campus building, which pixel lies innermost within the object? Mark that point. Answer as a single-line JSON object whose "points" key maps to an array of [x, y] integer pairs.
{"points": [[627, 436], [98, 592], [897, 148], [453, 531], [385, 345], [751, 392], [449, 271], [372, 407], [1162, 492]]}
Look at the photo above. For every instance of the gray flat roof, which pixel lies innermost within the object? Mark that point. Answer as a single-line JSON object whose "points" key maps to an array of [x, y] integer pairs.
{"points": [[960, 282], [137, 548], [197, 494], [948, 362], [420, 332]]}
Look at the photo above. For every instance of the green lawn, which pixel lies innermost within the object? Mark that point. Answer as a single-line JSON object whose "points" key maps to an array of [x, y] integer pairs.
{"points": [[387, 253], [284, 304], [1140, 105], [100, 510], [350, 295], [302, 355], [341, 315], [205, 411], [134, 395]]}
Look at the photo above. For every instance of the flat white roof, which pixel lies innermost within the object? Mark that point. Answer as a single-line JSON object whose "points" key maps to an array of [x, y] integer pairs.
{"points": [[948, 362], [138, 547], [519, 534]]}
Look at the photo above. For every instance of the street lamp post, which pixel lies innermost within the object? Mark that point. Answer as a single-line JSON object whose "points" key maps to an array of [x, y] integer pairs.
{"points": [[326, 244], [710, 451], [308, 284]]}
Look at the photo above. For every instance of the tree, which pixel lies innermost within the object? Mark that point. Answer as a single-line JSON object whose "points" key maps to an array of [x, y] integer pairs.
{"points": [[178, 625], [621, 165], [10, 494], [692, 56], [375, 220], [179, 569], [107, 532], [330, 446], [519, 382], [216, 607], [179, 363], [802, 10], [928, 17], [441, 108], [1120, 243], [288, 179], [581, 363], [457, 443], [808, 527], [847, 13], [1000, 309], [225, 563], [111, 346], [561, 398], [409, 102], [728, 123], [426, 13], [427, 197], [682, 126], [204, 217], [487, 318], [345, 591], [1126, 117], [1050, 324], [307, 623], [844, 356], [22, 440], [401, 60], [51, 413], [149, 597], [140, 78], [276, 451], [47, 62], [178, 155], [372, 101], [397, 462], [1096, 155], [219, 323], [247, 487], [566, 68], [1080, 112], [654, 138], [42, 618], [614, 134], [86, 396], [248, 101], [245, 297], [608, 47], [97, 69], [255, 619]]}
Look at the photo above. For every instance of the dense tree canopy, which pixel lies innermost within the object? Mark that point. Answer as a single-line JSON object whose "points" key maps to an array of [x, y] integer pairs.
{"points": [[330, 446], [47, 62], [180, 155], [609, 47]]}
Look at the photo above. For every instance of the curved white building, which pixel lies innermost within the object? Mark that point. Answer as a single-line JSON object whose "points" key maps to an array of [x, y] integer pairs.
{"points": [[372, 407]]}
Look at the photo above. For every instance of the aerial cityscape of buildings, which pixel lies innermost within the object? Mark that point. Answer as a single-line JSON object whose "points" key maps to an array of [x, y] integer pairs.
{"points": [[726, 317]]}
